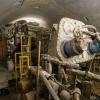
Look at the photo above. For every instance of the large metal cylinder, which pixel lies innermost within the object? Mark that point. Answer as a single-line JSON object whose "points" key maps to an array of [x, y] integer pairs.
{"points": [[94, 47], [71, 49]]}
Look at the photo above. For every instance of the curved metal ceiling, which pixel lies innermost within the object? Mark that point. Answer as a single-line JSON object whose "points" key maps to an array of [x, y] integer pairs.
{"points": [[48, 9], [51, 10]]}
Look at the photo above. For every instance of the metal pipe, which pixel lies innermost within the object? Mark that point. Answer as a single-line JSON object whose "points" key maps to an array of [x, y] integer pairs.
{"points": [[90, 27], [57, 61], [43, 75], [51, 90], [50, 68], [84, 73], [38, 70]]}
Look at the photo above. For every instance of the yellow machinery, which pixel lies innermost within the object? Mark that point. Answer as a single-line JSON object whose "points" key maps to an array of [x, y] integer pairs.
{"points": [[23, 58]]}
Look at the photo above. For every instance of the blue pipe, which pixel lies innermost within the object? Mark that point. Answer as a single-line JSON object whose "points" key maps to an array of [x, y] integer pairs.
{"points": [[69, 51], [94, 47]]}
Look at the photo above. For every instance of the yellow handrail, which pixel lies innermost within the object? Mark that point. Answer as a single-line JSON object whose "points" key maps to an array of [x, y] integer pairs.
{"points": [[23, 55]]}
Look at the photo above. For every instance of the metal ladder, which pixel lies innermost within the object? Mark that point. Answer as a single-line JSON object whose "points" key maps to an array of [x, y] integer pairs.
{"points": [[24, 57]]}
